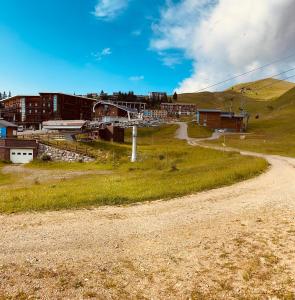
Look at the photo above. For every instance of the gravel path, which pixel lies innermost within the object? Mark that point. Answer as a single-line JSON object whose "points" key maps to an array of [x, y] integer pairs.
{"points": [[235, 242]]}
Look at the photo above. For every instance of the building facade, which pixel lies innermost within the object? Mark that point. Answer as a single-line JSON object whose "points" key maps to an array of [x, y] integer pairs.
{"points": [[7, 129], [18, 151], [155, 114], [217, 119], [157, 96], [31, 111], [179, 108]]}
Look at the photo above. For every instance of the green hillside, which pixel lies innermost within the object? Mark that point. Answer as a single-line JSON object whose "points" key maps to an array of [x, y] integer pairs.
{"points": [[265, 89], [274, 131], [224, 100]]}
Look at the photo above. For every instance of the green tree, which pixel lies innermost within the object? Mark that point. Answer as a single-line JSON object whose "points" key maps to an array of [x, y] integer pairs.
{"points": [[175, 96]]}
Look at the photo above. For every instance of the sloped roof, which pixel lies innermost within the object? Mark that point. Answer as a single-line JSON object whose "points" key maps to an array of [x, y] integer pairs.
{"points": [[210, 110], [4, 123], [64, 124]]}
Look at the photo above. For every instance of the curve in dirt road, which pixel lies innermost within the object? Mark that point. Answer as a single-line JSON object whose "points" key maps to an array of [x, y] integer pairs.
{"points": [[200, 244]]}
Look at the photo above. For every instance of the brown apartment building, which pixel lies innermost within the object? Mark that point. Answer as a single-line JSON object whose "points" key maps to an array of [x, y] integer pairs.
{"points": [[31, 111], [217, 119], [179, 108]]}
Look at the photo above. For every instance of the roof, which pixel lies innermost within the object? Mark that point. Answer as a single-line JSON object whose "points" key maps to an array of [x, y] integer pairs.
{"points": [[18, 96], [176, 103], [59, 93], [131, 110], [209, 110], [4, 123], [64, 124], [44, 93]]}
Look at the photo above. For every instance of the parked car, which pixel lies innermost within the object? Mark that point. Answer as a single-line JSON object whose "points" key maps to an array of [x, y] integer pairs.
{"points": [[20, 128]]}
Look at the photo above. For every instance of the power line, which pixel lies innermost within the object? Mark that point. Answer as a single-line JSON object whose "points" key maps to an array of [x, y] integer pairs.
{"points": [[253, 83], [245, 73], [274, 83]]}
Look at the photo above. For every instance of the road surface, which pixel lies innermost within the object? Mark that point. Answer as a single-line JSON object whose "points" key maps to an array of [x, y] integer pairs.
{"points": [[235, 242]]}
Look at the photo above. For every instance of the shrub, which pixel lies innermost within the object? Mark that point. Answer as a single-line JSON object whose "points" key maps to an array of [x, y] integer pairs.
{"points": [[46, 157]]}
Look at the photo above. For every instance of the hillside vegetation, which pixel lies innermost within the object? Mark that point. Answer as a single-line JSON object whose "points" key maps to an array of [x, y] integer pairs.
{"points": [[166, 168], [274, 131], [265, 89], [226, 100]]}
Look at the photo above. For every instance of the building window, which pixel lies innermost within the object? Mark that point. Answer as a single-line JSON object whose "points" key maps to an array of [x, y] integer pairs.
{"points": [[44, 111], [55, 103]]}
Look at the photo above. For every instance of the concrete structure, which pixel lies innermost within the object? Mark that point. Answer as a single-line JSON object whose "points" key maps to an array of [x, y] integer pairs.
{"points": [[18, 151], [108, 133], [109, 112], [179, 108], [64, 125], [31, 111], [7, 129], [218, 119], [155, 114], [140, 106]]}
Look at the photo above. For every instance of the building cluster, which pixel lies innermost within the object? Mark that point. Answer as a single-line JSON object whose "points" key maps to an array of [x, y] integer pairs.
{"points": [[72, 113]]}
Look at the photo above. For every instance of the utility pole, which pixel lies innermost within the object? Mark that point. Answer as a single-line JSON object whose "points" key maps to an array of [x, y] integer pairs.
{"points": [[134, 144]]}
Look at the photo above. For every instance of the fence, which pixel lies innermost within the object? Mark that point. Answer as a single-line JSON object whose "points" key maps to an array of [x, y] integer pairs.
{"points": [[58, 141]]}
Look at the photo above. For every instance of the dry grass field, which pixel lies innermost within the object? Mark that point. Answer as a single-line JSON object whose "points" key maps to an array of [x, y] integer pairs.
{"points": [[166, 168]]}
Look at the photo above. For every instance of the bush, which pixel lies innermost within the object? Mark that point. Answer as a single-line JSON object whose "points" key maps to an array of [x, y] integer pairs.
{"points": [[46, 157]]}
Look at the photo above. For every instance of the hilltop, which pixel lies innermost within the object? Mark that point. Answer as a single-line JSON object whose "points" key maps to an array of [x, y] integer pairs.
{"points": [[263, 100], [265, 89], [223, 100]]}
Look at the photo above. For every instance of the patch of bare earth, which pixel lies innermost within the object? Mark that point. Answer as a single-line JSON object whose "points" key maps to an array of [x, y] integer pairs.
{"points": [[33, 176]]}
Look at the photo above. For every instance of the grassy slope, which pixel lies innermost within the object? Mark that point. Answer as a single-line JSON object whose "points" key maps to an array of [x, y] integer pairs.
{"points": [[196, 131], [4, 178], [274, 131], [265, 89], [223, 100], [168, 168]]}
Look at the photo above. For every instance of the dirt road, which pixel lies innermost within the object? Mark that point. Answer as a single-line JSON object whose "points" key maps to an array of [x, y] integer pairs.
{"points": [[236, 242]]}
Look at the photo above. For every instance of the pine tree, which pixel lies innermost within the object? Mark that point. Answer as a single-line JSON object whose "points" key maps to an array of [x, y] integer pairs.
{"points": [[1, 96], [9, 94], [4, 95], [175, 96]]}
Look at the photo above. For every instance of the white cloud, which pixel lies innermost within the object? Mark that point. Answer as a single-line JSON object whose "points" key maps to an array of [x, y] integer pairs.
{"points": [[227, 37], [170, 59], [104, 52], [136, 78], [136, 32], [109, 9]]}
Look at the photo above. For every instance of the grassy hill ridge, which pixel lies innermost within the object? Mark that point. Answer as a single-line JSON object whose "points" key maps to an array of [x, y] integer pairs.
{"points": [[273, 132], [264, 89]]}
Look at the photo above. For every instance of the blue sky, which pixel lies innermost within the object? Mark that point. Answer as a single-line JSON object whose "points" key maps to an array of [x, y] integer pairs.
{"points": [[61, 45]]}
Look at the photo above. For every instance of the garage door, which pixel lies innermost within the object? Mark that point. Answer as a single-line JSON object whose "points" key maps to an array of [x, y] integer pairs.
{"points": [[21, 156]]}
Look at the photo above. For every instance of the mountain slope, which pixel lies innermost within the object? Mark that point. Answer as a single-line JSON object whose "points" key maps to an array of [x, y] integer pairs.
{"points": [[223, 100], [265, 89], [272, 129]]}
